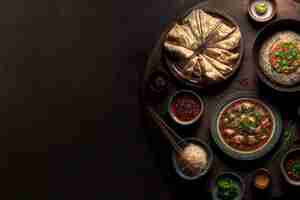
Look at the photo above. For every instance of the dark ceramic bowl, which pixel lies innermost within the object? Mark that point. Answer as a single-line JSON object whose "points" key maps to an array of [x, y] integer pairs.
{"points": [[289, 154], [239, 155], [159, 82], [201, 173], [262, 36], [237, 180], [185, 92], [260, 19]]}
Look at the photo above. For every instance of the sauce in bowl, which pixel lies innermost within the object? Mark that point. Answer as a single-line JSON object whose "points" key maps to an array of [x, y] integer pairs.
{"points": [[185, 107], [262, 179]]}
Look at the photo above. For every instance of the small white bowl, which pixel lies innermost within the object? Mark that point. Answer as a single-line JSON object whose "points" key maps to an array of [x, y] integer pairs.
{"points": [[264, 18]]}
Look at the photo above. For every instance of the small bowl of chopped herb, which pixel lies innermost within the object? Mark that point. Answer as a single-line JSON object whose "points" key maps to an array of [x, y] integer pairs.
{"points": [[290, 167], [262, 10], [228, 186]]}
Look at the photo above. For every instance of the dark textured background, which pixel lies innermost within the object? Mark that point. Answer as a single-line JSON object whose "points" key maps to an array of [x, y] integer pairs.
{"points": [[55, 105], [69, 110]]}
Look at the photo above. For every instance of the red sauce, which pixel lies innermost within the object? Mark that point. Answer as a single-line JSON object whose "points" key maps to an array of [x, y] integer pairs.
{"points": [[186, 107]]}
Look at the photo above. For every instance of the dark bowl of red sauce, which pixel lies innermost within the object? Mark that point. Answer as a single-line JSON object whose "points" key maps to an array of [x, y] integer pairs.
{"points": [[185, 107]]}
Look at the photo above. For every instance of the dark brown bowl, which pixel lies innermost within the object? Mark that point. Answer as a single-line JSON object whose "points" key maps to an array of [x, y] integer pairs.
{"points": [[233, 176], [274, 4], [158, 82], [288, 155], [269, 30]]}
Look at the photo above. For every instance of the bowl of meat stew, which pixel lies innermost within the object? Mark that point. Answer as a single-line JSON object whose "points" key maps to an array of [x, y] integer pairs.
{"points": [[246, 128]]}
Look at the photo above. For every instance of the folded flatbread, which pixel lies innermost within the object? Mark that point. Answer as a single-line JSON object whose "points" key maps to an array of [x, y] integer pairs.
{"points": [[222, 68], [183, 36], [194, 23], [205, 44], [220, 33], [193, 68], [208, 23], [222, 55], [178, 51], [209, 70], [231, 42]]}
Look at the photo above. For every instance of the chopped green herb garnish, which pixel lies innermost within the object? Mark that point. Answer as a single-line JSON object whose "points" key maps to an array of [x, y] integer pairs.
{"points": [[227, 189], [296, 168], [284, 57]]}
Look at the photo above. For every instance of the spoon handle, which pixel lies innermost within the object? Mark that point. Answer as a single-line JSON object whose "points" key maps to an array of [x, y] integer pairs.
{"points": [[170, 134]]}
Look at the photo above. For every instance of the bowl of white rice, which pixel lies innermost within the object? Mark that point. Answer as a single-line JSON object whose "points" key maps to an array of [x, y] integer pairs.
{"points": [[195, 159]]}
